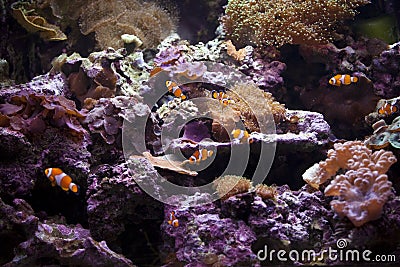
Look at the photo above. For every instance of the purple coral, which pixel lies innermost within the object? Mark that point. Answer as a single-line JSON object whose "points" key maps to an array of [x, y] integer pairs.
{"points": [[202, 231], [385, 72]]}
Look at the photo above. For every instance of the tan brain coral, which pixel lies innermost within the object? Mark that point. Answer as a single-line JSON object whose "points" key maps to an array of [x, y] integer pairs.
{"points": [[363, 189]]}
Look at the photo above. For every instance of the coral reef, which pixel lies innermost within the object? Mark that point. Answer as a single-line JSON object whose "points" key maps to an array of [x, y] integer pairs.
{"points": [[111, 120], [249, 97], [280, 22], [364, 187]]}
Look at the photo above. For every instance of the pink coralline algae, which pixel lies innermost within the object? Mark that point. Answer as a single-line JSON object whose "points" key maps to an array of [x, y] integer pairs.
{"points": [[386, 72], [40, 242], [106, 187], [204, 237]]}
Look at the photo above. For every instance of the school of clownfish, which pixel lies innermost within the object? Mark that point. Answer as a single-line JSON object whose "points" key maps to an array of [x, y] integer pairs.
{"points": [[57, 177]]}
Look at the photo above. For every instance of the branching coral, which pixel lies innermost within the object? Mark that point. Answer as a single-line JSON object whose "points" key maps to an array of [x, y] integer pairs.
{"points": [[363, 189], [351, 155], [32, 113], [278, 22]]}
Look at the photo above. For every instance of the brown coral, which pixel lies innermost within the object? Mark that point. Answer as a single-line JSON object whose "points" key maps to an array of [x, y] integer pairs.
{"points": [[363, 189], [32, 113], [111, 19], [230, 185], [255, 105], [278, 22], [265, 191], [103, 85], [47, 31]]}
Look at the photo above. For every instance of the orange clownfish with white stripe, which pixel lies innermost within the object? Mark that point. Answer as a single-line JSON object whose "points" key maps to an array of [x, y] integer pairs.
{"points": [[200, 155], [342, 79], [242, 135], [222, 97], [174, 88], [173, 220], [58, 177], [388, 109]]}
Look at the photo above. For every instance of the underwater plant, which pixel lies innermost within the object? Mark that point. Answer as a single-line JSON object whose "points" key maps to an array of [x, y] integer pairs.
{"points": [[279, 22]]}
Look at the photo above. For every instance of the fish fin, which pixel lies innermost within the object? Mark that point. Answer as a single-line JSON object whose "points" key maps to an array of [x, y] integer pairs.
{"points": [[183, 97], [355, 79]]}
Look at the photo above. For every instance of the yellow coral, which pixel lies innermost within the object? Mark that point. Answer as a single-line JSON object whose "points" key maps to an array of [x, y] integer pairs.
{"points": [[363, 189], [265, 191], [255, 105], [230, 185], [47, 31], [278, 22], [238, 55]]}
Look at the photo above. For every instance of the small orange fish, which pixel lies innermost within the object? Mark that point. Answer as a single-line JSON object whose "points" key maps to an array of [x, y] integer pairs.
{"points": [[222, 97], [387, 109], [200, 155], [173, 220], [58, 177], [242, 135], [342, 79], [174, 88]]}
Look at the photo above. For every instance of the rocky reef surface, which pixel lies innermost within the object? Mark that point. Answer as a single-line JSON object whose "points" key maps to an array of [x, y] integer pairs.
{"points": [[202, 154]]}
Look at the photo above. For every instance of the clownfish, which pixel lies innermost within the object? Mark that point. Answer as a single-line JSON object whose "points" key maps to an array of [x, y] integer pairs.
{"points": [[173, 220], [222, 97], [174, 88], [342, 79], [200, 155], [58, 177], [242, 136], [387, 109]]}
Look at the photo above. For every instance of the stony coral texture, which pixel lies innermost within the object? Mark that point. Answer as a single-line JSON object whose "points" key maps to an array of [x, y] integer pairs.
{"points": [[364, 187], [279, 22]]}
